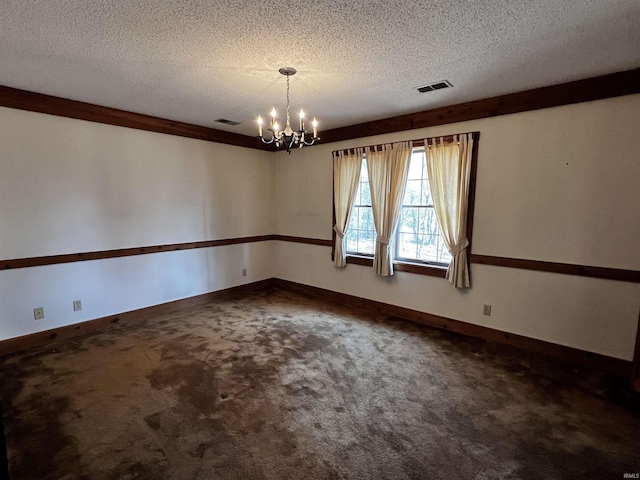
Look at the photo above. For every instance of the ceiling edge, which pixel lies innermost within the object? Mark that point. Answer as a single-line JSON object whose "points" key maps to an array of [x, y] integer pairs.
{"points": [[595, 88], [38, 102]]}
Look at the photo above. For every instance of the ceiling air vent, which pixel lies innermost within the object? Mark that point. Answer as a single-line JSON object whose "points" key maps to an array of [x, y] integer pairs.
{"points": [[435, 86], [227, 122]]}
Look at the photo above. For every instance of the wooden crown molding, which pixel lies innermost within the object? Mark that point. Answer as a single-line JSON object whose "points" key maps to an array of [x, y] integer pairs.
{"points": [[38, 102], [595, 88]]}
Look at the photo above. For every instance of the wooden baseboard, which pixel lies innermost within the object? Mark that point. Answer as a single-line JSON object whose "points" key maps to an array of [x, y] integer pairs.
{"points": [[38, 339], [570, 355]]}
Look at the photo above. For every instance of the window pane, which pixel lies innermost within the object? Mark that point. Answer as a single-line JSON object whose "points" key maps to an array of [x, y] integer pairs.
{"points": [[365, 198], [366, 242], [364, 172], [412, 192], [426, 191], [432, 248], [352, 241], [366, 219], [418, 236], [352, 233], [361, 234], [409, 220], [415, 166], [429, 222], [356, 201], [406, 245]]}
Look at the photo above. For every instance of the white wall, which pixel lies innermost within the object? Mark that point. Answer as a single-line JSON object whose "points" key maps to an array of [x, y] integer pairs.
{"points": [[71, 186], [559, 185]]}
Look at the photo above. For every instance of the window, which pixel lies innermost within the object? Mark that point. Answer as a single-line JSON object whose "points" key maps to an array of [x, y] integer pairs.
{"points": [[418, 236], [361, 236], [418, 246]]}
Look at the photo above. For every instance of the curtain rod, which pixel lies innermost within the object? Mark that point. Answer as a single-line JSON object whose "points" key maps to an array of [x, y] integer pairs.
{"points": [[416, 143]]}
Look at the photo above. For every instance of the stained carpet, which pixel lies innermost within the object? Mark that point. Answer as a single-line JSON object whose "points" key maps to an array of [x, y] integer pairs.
{"points": [[276, 385]]}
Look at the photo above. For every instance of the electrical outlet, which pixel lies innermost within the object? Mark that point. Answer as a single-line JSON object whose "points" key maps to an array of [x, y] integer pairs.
{"points": [[486, 310], [77, 305], [244, 272], [38, 313]]}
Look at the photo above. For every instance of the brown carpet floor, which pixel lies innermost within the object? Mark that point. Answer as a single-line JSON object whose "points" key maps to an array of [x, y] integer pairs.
{"points": [[276, 385]]}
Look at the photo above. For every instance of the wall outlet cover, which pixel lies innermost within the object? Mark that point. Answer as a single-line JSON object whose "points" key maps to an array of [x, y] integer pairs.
{"points": [[77, 305], [38, 313]]}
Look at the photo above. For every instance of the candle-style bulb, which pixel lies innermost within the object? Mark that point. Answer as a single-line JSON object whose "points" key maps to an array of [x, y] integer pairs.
{"points": [[273, 112], [301, 113], [259, 126], [301, 120], [315, 127]]}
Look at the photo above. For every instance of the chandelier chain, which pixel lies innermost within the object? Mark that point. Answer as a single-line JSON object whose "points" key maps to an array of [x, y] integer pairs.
{"points": [[288, 103]]}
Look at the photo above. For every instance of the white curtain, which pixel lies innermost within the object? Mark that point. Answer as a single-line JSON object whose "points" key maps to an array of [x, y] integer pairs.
{"points": [[449, 167], [346, 175], [388, 167]]}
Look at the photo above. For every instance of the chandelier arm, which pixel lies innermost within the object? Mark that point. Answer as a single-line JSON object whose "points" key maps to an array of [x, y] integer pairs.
{"points": [[308, 144], [266, 142]]}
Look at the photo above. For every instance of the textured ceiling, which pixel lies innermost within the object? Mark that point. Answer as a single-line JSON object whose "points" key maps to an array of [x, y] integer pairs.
{"points": [[357, 60]]}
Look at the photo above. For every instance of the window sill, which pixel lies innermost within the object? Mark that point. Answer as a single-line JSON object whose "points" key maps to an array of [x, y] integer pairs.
{"points": [[420, 269]]}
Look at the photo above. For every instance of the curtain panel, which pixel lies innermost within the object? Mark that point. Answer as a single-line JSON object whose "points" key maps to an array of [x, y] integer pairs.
{"points": [[388, 167], [449, 168], [346, 175]]}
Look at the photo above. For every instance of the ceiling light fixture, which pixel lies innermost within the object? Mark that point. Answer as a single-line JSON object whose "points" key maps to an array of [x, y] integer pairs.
{"points": [[288, 137]]}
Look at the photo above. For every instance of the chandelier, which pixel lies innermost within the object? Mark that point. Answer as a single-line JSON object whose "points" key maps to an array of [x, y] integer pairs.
{"points": [[288, 137]]}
